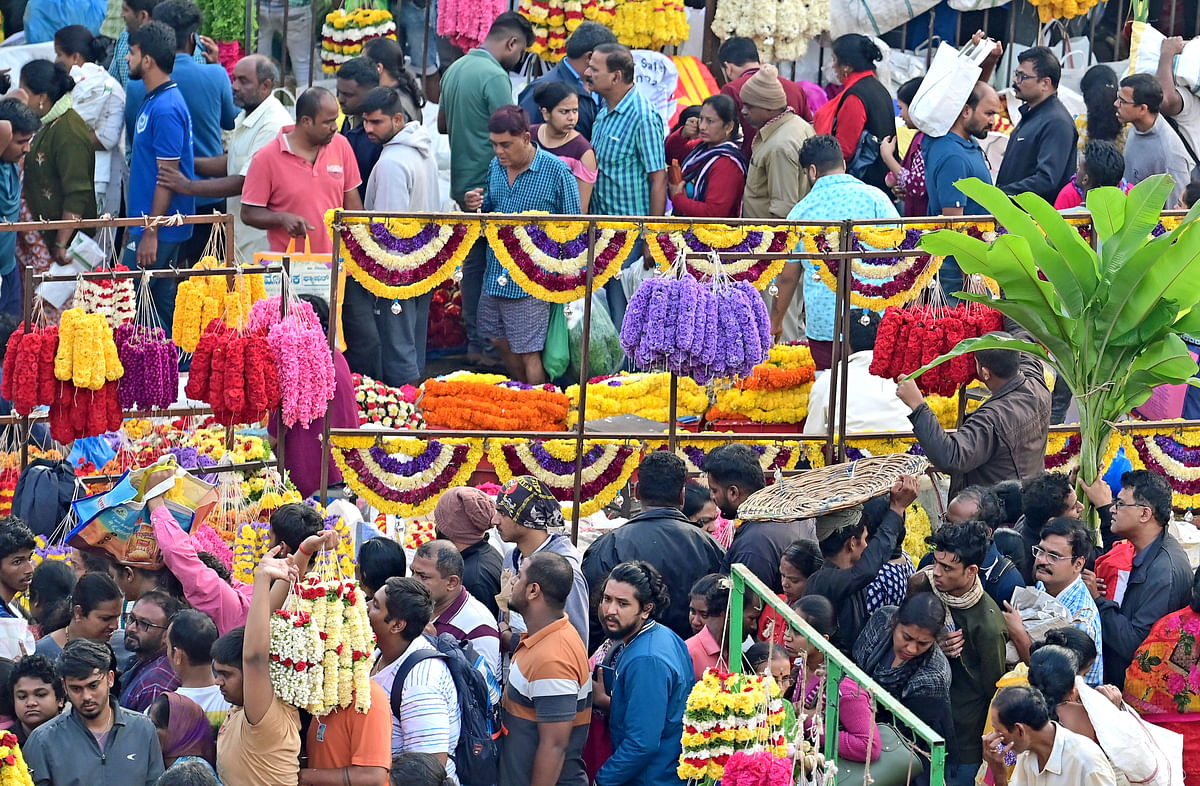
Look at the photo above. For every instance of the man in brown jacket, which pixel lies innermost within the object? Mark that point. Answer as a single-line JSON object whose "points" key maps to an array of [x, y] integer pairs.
{"points": [[1005, 438]]}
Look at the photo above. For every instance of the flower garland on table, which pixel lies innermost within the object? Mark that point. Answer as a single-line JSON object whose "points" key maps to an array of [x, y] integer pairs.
{"points": [[404, 476], [910, 336], [466, 22], [789, 405], [726, 713], [549, 261], [201, 299], [87, 355], [650, 24], [645, 394], [384, 405], [704, 331], [460, 403], [1167, 452], [151, 362], [113, 299], [343, 34], [29, 368], [13, 769], [321, 646], [403, 257], [233, 373], [607, 467], [1062, 452], [771, 455], [667, 243]]}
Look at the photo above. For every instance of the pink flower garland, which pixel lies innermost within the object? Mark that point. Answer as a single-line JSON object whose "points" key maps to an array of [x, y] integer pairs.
{"points": [[305, 366], [207, 539], [760, 768], [466, 22]]}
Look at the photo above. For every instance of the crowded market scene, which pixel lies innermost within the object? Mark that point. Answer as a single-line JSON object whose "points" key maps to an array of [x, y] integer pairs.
{"points": [[705, 392]]}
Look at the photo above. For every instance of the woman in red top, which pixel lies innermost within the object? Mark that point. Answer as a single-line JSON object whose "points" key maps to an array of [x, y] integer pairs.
{"points": [[864, 105], [711, 180]]}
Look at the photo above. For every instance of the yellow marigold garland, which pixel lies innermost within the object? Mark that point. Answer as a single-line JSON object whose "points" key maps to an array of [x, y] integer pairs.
{"points": [[87, 353], [201, 299], [917, 527], [645, 394], [538, 268], [388, 484], [650, 24], [13, 769]]}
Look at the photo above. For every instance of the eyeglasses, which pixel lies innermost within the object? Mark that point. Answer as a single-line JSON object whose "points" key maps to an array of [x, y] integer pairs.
{"points": [[1054, 559], [1119, 503], [144, 624], [1021, 76]]}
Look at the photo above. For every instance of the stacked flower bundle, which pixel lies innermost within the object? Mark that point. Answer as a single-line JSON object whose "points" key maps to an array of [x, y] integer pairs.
{"points": [[233, 373], [87, 367], [385, 405], [321, 645], [488, 401], [911, 336], [44, 550], [775, 392], [466, 22], [781, 31], [701, 330], [29, 368], [252, 542], [151, 362], [114, 299], [202, 299], [344, 33], [726, 713], [646, 394], [13, 769], [650, 24]]}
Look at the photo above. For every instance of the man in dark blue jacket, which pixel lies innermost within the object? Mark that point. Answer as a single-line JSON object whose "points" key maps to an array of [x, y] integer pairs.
{"points": [[1040, 157], [586, 37]]}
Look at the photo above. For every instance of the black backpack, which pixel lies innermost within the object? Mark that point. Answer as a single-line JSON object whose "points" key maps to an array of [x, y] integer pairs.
{"points": [[477, 756], [45, 490]]}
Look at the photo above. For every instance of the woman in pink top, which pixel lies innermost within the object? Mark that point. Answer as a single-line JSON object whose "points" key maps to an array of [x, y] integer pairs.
{"points": [[556, 134], [855, 725]]}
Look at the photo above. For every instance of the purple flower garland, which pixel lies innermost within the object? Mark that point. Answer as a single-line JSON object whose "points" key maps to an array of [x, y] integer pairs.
{"points": [[565, 493]]}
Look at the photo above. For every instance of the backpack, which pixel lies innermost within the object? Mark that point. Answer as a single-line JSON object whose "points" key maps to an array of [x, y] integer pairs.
{"points": [[42, 499], [477, 756]]}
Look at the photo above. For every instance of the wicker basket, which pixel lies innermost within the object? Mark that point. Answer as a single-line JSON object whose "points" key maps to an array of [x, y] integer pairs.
{"points": [[830, 488]]}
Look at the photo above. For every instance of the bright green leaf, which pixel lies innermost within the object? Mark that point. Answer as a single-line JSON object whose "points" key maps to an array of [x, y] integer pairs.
{"points": [[1070, 264], [1143, 206], [983, 342], [1107, 206]]}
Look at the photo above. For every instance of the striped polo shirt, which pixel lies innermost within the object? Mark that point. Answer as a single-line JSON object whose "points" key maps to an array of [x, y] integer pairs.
{"points": [[548, 682]]}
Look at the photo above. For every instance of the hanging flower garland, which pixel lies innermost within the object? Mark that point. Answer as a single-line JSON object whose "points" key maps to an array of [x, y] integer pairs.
{"points": [[726, 713], [114, 299], [549, 260], [252, 542], [607, 466], [405, 476], [650, 24], [402, 257], [303, 362], [87, 355], [13, 769], [79, 412], [208, 540], [646, 394], [459, 402], [234, 374], [667, 243], [447, 329], [29, 365], [201, 299], [344, 33], [917, 527], [1167, 452], [910, 336], [466, 22], [771, 455], [151, 362], [900, 290]]}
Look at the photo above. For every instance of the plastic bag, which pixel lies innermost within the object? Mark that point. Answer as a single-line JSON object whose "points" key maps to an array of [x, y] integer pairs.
{"points": [[605, 355], [555, 353]]}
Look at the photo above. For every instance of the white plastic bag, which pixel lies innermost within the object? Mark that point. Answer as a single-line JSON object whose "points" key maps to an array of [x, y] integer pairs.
{"points": [[1145, 44], [946, 88], [874, 17], [1147, 755], [976, 5], [1187, 66], [1040, 612]]}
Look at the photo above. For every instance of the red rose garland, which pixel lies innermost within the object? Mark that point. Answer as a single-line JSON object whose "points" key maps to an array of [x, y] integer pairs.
{"points": [[77, 412], [912, 336], [233, 373], [29, 368]]}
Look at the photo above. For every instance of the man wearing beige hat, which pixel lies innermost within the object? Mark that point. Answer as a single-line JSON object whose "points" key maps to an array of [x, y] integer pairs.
{"points": [[775, 182], [852, 561], [463, 516]]}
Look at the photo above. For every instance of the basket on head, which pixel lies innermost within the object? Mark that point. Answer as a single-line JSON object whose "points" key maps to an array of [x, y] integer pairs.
{"points": [[830, 488]]}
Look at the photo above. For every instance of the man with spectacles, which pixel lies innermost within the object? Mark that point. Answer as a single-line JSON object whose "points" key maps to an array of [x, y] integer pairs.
{"points": [[1058, 562], [1040, 157], [1154, 146], [150, 672], [1141, 514]]}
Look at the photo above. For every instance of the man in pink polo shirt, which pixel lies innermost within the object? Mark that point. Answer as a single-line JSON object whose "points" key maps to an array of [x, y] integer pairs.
{"points": [[308, 169]]}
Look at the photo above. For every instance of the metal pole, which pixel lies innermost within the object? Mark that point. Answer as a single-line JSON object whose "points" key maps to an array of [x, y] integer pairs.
{"points": [[673, 414], [334, 306], [285, 284], [27, 314], [584, 344], [843, 339]]}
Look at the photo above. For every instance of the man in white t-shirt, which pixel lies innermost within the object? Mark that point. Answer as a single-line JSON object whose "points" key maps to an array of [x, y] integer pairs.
{"points": [[190, 637], [429, 718], [1179, 104]]}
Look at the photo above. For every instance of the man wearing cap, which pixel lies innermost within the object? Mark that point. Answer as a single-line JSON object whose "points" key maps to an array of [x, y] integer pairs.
{"points": [[463, 516], [851, 562], [527, 511], [775, 181], [660, 535], [740, 63]]}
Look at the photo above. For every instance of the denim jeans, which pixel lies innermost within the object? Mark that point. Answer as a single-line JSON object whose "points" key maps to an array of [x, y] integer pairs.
{"points": [[421, 49]]}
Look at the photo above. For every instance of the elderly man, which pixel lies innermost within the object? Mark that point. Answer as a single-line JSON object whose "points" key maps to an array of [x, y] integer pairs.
{"points": [[464, 516], [775, 182]]}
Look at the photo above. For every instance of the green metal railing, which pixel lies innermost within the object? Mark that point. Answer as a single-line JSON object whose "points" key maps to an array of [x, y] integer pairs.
{"points": [[837, 666]]}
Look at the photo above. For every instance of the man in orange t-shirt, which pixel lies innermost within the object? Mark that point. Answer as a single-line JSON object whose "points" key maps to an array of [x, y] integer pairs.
{"points": [[347, 746]]}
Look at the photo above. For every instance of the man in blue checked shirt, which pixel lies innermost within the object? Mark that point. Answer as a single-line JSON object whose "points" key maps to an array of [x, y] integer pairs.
{"points": [[521, 178], [1058, 562]]}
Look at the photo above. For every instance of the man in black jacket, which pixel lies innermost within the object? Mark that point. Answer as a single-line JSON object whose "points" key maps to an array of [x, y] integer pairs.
{"points": [[1141, 513], [851, 562], [660, 535], [1040, 157]]}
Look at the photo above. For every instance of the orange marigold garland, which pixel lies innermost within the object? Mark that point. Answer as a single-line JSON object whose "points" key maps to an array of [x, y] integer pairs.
{"points": [[505, 406]]}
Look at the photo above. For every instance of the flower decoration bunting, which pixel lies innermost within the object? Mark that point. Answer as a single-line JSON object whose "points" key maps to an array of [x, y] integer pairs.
{"points": [[607, 466], [667, 243], [403, 258], [549, 261], [771, 455], [1172, 453], [404, 476], [344, 33]]}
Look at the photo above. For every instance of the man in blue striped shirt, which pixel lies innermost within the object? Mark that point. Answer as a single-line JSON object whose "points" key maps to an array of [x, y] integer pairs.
{"points": [[521, 178]]}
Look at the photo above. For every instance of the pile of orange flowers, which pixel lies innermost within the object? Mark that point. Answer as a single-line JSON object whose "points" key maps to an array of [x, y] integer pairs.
{"points": [[507, 406], [768, 377]]}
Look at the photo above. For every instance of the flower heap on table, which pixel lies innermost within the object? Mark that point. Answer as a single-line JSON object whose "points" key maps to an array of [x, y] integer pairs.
{"points": [[700, 330], [344, 33], [386, 406], [321, 645], [911, 336], [87, 367], [114, 299], [201, 299], [775, 391], [726, 713], [490, 401], [646, 394]]}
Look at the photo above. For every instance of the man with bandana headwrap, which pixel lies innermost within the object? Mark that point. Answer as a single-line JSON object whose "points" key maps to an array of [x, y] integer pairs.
{"points": [[527, 511]]}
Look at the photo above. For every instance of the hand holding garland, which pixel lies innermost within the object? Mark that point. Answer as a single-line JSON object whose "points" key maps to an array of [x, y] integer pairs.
{"points": [[258, 693]]}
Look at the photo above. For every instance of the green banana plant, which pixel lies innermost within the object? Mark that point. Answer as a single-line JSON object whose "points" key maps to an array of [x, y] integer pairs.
{"points": [[1107, 321]]}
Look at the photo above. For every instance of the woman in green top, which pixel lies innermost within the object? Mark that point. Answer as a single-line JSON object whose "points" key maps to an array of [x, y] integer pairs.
{"points": [[60, 166]]}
